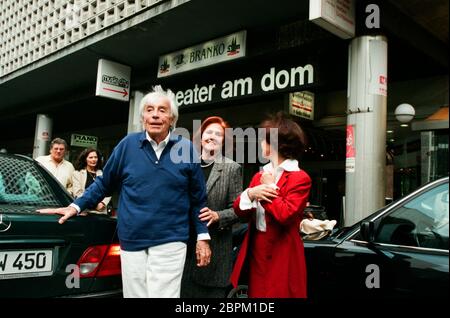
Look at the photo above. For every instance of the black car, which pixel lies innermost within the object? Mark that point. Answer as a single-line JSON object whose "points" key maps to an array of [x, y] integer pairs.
{"points": [[400, 251], [38, 256]]}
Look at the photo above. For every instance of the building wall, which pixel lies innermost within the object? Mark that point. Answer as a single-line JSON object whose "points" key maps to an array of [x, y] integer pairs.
{"points": [[33, 29]]}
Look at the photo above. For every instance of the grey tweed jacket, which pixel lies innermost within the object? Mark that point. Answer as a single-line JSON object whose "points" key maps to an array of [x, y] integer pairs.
{"points": [[223, 186]]}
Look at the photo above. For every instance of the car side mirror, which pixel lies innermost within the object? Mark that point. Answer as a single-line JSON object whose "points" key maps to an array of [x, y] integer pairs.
{"points": [[367, 230]]}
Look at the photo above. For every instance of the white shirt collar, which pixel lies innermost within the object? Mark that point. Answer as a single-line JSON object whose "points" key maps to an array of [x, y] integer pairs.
{"points": [[161, 144], [50, 159], [286, 165]]}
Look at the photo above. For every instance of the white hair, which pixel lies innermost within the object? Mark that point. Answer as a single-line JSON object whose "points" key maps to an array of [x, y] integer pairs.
{"points": [[152, 97]]}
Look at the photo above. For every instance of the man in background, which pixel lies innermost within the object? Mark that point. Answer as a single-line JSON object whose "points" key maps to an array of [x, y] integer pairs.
{"points": [[60, 168]]}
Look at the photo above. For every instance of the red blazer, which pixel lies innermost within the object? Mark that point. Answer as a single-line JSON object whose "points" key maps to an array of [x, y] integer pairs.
{"points": [[283, 255]]}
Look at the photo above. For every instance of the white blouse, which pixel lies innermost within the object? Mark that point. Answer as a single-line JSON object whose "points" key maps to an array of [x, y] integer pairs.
{"points": [[247, 204]]}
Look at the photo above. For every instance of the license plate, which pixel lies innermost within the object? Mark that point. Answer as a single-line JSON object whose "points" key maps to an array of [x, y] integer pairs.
{"points": [[25, 263]]}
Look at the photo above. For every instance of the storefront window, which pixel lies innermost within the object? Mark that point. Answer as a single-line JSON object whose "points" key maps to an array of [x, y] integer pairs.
{"points": [[406, 159], [434, 155]]}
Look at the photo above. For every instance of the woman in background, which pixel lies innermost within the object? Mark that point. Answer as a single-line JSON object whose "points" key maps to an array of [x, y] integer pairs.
{"points": [[88, 167]]}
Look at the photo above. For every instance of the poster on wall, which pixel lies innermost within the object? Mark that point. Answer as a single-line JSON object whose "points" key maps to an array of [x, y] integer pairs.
{"points": [[45, 135], [301, 104], [350, 152], [378, 68]]}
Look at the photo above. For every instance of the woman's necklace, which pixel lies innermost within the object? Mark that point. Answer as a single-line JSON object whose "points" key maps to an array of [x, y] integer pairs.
{"points": [[206, 164], [93, 174]]}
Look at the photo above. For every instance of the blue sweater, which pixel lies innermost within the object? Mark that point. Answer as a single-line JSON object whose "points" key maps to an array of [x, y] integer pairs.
{"points": [[157, 197]]}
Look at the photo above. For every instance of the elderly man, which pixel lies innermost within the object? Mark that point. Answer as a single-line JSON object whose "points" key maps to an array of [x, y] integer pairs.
{"points": [[157, 198], [55, 163]]}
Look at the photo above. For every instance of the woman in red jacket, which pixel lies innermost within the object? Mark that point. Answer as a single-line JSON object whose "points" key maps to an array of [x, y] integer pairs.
{"points": [[272, 256]]}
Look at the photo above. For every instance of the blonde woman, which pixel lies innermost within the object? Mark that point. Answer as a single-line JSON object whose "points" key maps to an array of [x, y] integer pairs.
{"points": [[223, 179]]}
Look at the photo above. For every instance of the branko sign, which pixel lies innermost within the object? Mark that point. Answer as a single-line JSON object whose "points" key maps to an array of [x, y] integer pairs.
{"points": [[219, 50]]}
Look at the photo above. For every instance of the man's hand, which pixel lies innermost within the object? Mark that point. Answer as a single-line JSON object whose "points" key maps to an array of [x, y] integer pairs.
{"points": [[203, 253], [66, 212], [100, 207], [206, 214]]}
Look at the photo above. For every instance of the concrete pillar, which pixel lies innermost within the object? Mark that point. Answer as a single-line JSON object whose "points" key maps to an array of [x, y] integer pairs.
{"points": [[366, 127], [42, 135], [134, 116]]}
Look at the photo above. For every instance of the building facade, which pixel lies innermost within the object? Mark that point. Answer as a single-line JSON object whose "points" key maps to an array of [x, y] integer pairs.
{"points": [[49, 53]]}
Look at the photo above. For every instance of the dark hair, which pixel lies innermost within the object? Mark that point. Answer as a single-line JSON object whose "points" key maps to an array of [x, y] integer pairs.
{"points": [[58, 141], [213, 120], [81, 163], [291, 138]]}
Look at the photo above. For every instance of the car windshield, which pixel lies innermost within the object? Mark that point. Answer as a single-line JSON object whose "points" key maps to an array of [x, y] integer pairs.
{"points": [[431, 203], [23, 184], [431, 211]]}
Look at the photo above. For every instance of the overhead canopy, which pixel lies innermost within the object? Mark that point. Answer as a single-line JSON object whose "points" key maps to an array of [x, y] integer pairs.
{"points": [[441, 114], [438, 120]]}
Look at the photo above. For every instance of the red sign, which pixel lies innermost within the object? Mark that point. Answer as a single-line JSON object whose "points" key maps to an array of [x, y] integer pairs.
{"points": [[45, 135], [350, 149]]}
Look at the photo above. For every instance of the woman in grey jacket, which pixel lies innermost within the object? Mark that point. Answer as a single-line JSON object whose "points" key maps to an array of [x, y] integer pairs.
{"points": [[223, 179]]}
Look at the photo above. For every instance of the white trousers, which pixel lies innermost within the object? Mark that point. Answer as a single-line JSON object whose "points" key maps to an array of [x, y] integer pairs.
{"points": [[154, 272]]}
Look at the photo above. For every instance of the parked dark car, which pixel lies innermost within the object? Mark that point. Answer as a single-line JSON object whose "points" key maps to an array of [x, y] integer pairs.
{"points": [[400, 251], [38, 256]]}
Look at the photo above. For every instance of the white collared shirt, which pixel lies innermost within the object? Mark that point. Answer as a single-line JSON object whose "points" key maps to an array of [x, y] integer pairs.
{"points": [[62, 170], [158, 148], [246, 203]]}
